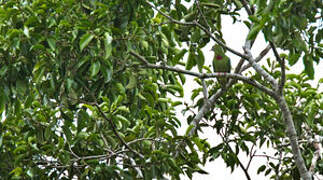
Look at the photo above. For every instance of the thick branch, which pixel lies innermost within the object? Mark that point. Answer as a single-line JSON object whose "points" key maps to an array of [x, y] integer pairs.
{"points": [[259, 70], [292, 135], [262, 54], [205, 92]]}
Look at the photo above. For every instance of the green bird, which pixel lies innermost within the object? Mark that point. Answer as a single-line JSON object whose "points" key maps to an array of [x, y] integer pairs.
{"points": [[221, 63]]}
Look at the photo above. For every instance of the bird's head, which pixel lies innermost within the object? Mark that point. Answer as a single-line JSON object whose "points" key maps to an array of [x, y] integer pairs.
{"points": [[218, 52]]}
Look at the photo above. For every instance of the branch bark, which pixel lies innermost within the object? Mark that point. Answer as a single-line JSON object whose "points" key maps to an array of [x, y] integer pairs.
{"points": [[292, 135]]}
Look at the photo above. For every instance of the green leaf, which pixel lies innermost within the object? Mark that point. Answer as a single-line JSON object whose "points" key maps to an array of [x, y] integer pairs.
{"points": [[254, 32], [179, 56], [293, 58], [85, 40], [95, 67], [26, 32], [190, 61], [67, 132], [38, 65], [52, 44], [122, 119], [17, 171], [308, 63], [107, 45], [261, 169], [200, 59], [121, 88], [132, 82], [190, 127]]}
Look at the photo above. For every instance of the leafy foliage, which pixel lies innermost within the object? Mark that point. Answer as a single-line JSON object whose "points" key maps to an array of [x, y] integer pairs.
{"points": [[76, 104]]}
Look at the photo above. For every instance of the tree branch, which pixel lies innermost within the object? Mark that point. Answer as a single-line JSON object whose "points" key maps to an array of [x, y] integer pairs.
{"points": [[292, 135], [282, 67], [197, 2], [170, 18], [245, 5], [204, 75], [252, 154], [262, 54], [261, 71], [244, 169], [205, 92], [220, 42]]}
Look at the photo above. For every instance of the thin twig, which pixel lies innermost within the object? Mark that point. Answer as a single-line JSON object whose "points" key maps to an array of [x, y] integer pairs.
{"points": [[245, 5], [114, 129], [251, 156], [240, 163], [170, 18], [266, 156], [143, 139], [282, 67], [220, 42], [197, 2]]}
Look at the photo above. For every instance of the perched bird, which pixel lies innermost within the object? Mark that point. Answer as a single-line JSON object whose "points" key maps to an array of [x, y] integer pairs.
{"points": [[221, 63]]}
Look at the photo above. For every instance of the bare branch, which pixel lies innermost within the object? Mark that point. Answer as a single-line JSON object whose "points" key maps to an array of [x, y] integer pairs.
{"points": [[266, 156], [143, 139], [292, 135], [317, 154], [252, 155], [261, 71], [282, 67], [262, 54], [245, 5], [205, 92]]}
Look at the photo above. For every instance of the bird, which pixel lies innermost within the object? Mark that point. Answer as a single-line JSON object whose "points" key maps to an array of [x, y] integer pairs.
{"points": [[221, 63]]}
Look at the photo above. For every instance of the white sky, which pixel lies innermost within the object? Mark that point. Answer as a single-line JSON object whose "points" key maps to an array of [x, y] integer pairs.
{"points": [[234, 36]]}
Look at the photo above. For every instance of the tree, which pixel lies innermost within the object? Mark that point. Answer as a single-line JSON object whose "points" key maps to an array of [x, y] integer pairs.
{"points": [[87, 86]]}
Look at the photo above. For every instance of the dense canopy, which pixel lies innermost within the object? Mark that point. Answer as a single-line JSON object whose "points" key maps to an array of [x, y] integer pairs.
{"points": [[87, 88]]}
